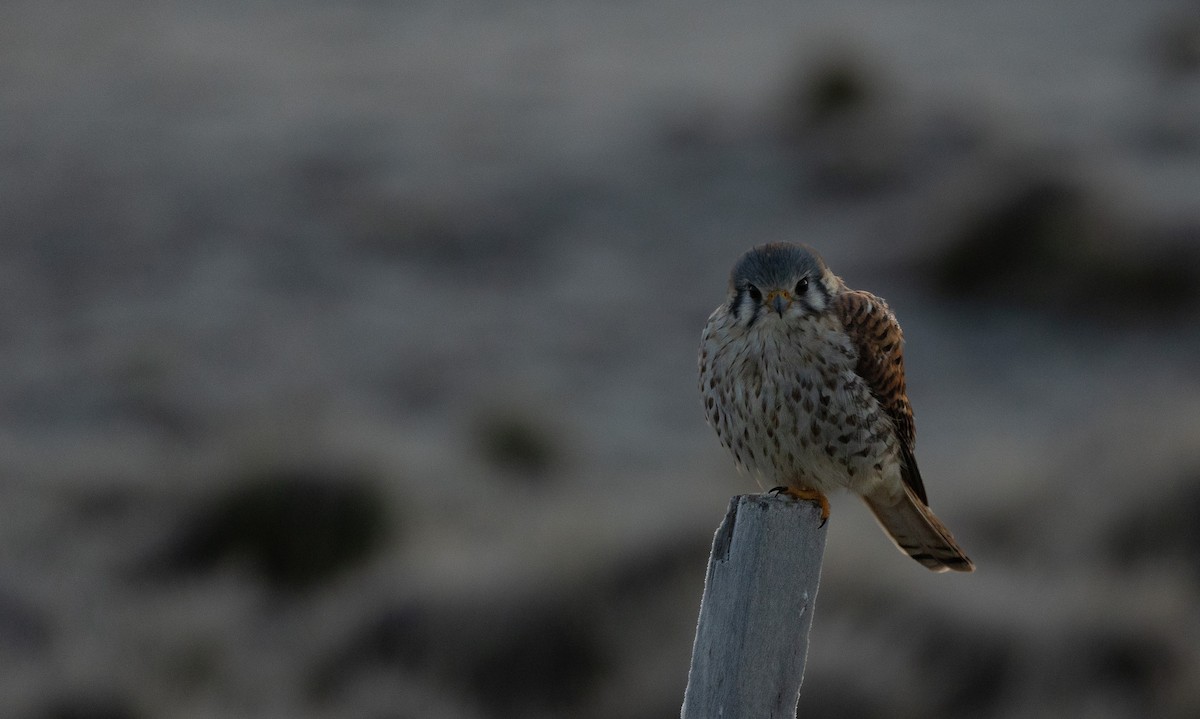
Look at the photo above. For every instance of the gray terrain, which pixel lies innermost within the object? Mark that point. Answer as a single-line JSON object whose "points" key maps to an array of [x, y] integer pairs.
{"points": [[349, 348]]}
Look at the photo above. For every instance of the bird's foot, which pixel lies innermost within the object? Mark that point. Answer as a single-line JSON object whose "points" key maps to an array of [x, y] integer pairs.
{"points": [[808, 495]]}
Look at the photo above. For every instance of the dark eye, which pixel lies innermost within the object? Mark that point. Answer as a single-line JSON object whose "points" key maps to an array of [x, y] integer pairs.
{"points": [[802, 286], [755, 294]]}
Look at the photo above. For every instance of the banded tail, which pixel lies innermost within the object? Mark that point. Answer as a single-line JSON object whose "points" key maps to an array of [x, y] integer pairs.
{"points": [[918, 533]]}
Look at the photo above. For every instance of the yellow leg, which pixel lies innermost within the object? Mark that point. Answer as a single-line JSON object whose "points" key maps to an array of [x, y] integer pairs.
{"points": [[808, 495]]}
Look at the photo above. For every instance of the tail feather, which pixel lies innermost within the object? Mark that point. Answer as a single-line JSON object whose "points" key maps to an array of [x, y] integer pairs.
{"points": [[918, 533]]}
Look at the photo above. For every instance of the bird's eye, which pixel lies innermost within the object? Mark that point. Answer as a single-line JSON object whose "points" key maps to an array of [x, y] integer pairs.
{"points": [[755, 293], [802, 286]]}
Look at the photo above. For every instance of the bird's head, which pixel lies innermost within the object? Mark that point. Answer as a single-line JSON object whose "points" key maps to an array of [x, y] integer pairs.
{"points": [[779, 281]]}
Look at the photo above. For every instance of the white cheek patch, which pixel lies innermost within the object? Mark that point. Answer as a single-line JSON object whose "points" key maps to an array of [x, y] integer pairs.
{"points": [[815, 298], [819, 293], [748, 310]]}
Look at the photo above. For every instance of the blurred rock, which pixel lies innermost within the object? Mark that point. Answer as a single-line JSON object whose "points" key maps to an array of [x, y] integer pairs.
{"points": [[513, 658], [1139, 664], [1160, 532], [1175, 44], [974, 668], [836, 89], [517, 442], [453, 233], [1040, 239], [293, 528], [659, 565], [499, 233], [102, 706], [24, 627], [1171, 111], [838, 697], [1027, 225], [545, 647], [404, 636], [543, 658], [842, 123], [1135, 668]]}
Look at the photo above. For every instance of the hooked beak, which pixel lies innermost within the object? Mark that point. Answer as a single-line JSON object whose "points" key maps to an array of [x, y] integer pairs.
{"points": [[778, 300]]}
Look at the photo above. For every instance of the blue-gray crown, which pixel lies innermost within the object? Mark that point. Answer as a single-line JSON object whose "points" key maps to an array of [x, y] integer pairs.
{"points": [[775, 265]]}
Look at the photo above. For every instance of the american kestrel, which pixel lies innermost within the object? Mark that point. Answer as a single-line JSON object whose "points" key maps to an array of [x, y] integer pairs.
{"points": [[803, 381]]}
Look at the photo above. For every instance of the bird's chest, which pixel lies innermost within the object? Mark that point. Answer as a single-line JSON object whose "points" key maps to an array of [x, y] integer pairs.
{"points": [[789, 405]]}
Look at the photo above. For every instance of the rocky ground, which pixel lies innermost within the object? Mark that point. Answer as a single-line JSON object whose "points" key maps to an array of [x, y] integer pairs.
{"points": [[349, 349]]}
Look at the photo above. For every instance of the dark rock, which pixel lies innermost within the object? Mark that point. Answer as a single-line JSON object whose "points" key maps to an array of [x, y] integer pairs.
{"points": [[840, 119], [517, 443], [975, 667], [1041, 239], [835, 88], [1166, 530], [89, 707], [545, 659], [1139, 669], [836, 696], [1027, 227], [294, 528], [404, 637], [513, 660], [24, 628]]}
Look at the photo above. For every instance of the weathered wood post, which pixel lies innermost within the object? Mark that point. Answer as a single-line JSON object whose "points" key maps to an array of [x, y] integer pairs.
{"points": [[759, 593]]}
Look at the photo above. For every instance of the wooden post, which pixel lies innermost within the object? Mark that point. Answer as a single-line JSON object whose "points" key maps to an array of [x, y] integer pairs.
{"points": [[759, 592]]}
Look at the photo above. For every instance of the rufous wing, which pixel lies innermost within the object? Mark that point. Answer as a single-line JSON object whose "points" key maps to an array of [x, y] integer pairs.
{"points": [[876, 336]]}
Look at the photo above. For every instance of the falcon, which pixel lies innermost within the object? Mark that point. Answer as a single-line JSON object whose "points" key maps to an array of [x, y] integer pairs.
{"points": [[803, 381]]}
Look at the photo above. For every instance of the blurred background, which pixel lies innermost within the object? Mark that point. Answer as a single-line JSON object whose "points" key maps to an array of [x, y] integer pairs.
{"points": [[349, 348]]}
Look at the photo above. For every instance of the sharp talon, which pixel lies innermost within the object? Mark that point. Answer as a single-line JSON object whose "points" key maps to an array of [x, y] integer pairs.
{"points": [[777, 490], [808, 495]]}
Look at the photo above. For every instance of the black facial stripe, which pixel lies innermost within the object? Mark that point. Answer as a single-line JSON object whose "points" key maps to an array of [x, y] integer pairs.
{"points": [[822, 292], [742, 297], [755, 313]]}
